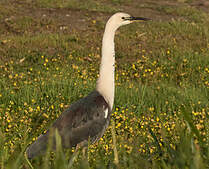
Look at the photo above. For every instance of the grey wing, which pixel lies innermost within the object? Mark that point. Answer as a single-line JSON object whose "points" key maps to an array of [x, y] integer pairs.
{"points": [[86, 119]]}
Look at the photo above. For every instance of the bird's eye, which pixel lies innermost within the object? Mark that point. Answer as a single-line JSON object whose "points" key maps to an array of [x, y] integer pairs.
{"points": [[126, 18]]}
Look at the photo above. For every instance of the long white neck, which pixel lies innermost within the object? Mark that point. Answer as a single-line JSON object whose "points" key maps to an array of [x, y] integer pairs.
{"points": [[105, 83]]}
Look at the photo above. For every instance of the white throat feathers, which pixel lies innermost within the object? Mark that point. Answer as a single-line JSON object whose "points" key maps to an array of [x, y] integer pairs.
{"points": [[105, 84]]}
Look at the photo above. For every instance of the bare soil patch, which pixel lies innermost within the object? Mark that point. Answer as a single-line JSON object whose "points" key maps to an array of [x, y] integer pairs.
{"points": [[81, 20]]}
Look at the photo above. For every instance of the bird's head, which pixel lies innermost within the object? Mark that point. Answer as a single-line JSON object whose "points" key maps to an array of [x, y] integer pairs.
{"points": [[120, 19]]}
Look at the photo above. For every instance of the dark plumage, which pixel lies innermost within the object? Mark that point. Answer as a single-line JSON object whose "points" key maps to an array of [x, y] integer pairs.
{"points": [[83, 120]]}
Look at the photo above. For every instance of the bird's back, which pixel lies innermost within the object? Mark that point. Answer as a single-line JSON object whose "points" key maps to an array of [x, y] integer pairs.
{"points": [[84, 120]]}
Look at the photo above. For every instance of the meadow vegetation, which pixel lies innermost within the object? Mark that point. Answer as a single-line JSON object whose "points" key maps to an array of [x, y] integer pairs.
{"points": [[50, 56]]}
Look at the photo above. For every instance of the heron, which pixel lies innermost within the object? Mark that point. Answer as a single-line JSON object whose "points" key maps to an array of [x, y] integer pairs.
{"points": [[87, 119]]}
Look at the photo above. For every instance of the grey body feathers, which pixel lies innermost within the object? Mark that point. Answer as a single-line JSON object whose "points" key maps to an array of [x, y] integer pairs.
{"points": [[84, 120]]}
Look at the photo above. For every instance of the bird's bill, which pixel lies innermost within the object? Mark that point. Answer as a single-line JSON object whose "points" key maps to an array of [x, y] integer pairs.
{"points": [[139, 19], [132, 18]]}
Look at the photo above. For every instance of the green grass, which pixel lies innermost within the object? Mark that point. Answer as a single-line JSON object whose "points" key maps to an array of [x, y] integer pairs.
{"points": [[161, 107]]}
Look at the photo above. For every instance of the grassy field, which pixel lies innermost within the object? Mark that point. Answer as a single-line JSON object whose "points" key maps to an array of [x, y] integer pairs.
{"points": [[50, 56]]}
